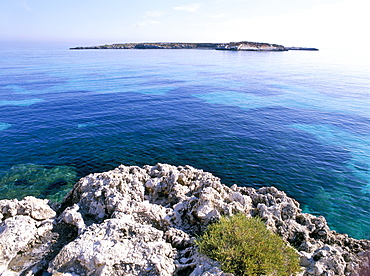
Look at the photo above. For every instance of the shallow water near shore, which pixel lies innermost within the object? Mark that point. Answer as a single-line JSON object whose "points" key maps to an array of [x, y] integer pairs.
{"points": [[299, 121]]}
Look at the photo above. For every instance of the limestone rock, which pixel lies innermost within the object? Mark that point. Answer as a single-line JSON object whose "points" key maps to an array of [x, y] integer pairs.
{"points": [[99, 194], [143, 221], [116, 247], [27, 236], [72, 216], [15, 233], [36, 208], [23, 222], [182, 201]]}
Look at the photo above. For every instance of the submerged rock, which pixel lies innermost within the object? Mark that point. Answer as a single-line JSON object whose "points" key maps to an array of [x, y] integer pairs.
{"points": [[37, 180], [143, 221]]}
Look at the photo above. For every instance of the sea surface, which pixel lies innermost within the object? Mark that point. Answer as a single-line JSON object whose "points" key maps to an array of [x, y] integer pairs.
{"points": [[299, 121]]}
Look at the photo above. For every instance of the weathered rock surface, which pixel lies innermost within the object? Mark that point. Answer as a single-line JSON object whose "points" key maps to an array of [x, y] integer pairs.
{"points": [[23, 224], [142, 221], [117, 246]]}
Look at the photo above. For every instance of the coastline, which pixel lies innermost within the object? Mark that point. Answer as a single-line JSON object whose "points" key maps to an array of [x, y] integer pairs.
{"points": [[230, 46], [144, 220]]}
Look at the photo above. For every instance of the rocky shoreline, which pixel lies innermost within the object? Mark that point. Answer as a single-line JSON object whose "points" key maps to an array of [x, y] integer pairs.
{"points": [[231, 46], [142, 221]]}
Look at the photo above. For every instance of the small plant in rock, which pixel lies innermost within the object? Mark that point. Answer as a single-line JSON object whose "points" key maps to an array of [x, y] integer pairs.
{"points": [[244, 246]]}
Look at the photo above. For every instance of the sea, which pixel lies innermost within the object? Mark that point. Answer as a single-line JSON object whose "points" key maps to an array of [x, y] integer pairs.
{"points": [[295, 120]]}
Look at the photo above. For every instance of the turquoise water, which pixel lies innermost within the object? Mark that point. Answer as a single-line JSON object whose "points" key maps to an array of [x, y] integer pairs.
{"points": [[299, 121]]}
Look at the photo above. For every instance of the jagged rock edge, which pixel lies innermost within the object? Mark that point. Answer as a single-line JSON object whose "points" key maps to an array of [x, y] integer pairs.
{"points": [[165, 206]]}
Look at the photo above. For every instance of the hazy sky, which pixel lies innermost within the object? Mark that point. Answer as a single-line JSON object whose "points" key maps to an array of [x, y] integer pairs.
{"points": [[313, 23]]}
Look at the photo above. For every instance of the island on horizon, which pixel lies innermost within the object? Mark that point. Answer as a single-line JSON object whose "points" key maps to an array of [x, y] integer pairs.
{"points": [[231, 46]]}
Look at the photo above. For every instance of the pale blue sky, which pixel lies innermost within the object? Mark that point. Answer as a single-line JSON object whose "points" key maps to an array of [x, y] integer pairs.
{"points": [[313, 23]]}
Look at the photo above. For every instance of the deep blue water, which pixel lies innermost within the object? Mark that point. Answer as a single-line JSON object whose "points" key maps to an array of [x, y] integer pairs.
{"points": [[299, 121]]}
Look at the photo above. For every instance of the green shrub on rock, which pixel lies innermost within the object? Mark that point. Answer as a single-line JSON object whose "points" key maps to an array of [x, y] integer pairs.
{"points": [[244, 246]]}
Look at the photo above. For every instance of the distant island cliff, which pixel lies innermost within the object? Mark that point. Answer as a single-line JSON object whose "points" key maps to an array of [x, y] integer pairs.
{"points": [[231, 46]]}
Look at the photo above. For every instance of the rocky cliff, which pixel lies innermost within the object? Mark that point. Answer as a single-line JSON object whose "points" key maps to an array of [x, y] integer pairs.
{"points": [[251, 46], [151, 45], [231, 46], [142, 221]]}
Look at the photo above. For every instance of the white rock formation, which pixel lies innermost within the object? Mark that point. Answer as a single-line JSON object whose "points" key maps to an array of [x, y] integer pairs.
{"points": [[142, 221], [117, 247], [23, 223]]}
